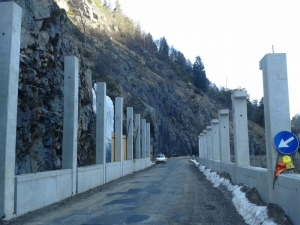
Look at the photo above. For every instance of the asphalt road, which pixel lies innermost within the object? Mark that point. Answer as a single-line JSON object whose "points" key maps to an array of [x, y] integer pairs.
{"points": [[172, 193]]}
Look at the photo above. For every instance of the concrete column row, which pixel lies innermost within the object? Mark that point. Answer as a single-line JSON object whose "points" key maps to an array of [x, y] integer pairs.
{"points": [[10, 38], [280, 190], [214, 142], [277, 119]]}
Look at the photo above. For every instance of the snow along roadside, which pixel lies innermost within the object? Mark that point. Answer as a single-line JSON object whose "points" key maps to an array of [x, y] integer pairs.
{"points": [[251, 213]]}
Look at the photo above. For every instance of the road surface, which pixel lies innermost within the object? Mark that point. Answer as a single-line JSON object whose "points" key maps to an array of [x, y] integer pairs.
{"points": [[172, 193]]}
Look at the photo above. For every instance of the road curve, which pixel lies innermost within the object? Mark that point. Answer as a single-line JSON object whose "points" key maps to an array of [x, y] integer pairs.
{"points": [[172, 193]]}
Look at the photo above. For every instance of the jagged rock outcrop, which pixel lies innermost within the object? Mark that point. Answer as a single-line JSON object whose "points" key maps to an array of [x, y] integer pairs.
{"points": [[40, 100], [176, 114]]}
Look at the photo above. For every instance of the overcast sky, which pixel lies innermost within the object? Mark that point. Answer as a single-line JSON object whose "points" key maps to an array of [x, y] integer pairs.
{"points": [[230, 36]]}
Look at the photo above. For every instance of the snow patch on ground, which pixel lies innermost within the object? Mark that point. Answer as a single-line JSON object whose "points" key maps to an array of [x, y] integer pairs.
{"points": [[252, 214]]}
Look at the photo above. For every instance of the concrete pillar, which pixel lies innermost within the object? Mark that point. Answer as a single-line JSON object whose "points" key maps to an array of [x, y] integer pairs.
{"points": [[224, 135], [143, 138], [10, 33], [101, 126], [137, 125], [118, 129], [209, 143], [205, 154], [201, 150], [215, 139], [148, 140], [70, 129], [240, 128], [101, 123], [276, 108], [129, 133]]}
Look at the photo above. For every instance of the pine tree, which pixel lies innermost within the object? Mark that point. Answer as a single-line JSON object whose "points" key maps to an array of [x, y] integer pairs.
{"points": [[151, 46], [164, 47], [117, 13], [200, 80], [181, 60], [260, 118], [117, 9], [173, 54]]}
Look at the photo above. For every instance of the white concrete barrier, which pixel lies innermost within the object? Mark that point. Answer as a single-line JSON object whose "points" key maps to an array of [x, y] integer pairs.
{"points": [[137, 164], [89, 177], [35, 191], [144, 163], [127, 167], [113, 171], [287, 187]]}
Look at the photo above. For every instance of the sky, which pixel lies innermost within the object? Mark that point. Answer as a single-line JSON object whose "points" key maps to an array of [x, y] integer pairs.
{"points": [[251, 213], [231, 37]]}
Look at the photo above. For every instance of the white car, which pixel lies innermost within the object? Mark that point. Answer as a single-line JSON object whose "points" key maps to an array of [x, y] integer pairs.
{"points": [[161, 158]]}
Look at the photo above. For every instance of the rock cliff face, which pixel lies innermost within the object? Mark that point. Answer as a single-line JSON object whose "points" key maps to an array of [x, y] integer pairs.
{"points": [[40, 97], [176, 114]]}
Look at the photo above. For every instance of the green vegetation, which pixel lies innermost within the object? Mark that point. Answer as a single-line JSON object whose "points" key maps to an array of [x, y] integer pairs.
{"points": [[71, 13], [198, 91], [87, 54], [296, 124], [98, 3]]}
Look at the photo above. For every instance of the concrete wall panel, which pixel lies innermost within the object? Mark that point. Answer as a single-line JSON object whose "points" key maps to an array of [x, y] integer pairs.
{"points": [[136, 164], [216, 165], [145, 163], [89, 177], [288, 195], [230, 169], [142, 164], [127, 167], [34, 191], [149, 162], [113, 171]]}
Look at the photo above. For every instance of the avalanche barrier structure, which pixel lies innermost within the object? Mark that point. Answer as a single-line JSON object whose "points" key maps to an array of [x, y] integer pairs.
{"points": [[27, 192], [285, 191]]}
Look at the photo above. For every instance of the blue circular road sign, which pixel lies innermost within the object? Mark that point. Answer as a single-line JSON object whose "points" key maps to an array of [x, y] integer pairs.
{"points": [[286, 142]]}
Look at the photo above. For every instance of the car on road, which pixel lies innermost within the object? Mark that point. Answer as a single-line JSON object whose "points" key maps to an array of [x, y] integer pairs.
{"points": [[161, 158]]}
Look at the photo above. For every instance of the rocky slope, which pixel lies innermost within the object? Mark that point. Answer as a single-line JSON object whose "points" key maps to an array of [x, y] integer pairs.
{"points": [[177, 115]]}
